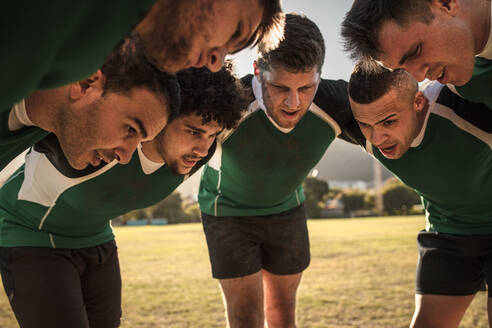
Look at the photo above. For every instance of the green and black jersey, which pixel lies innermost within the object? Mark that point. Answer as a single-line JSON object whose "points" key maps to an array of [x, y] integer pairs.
{"points": [[449, 164], [46, 203], [479, 88], [16, 137], [47, 44], [258, 168]]}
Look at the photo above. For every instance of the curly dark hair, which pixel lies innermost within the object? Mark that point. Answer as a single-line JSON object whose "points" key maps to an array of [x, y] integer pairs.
{"points": [[370, 81], [301, 49], [215, 96], [361, 26], [127, 67]]}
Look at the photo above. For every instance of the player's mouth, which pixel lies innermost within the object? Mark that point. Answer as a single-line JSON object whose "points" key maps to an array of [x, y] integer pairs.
{"points": [[442, 77], [290, 115], [200, 60], [98, 158], [190, 161], [388, 151]]}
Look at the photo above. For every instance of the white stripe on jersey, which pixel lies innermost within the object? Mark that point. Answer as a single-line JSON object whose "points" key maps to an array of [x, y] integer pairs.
{"points": [[43, 183], [464, 125]]}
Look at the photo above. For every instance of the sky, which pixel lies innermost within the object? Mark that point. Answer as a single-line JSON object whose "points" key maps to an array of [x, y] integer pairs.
{"points": [[327, 15]]}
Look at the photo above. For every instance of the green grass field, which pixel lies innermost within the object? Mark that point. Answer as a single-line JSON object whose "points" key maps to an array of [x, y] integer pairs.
{"points": [[361, 275]]}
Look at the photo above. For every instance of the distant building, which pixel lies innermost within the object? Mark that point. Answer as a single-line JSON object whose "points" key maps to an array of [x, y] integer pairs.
{"points": [[334, 208]]}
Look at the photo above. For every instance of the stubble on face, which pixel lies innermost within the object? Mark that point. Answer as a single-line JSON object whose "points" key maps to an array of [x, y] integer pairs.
{"points": [[181, 149], [167, 148], [169, 46], [76, 133], [276, 99], [390, 123], [441, 49]]}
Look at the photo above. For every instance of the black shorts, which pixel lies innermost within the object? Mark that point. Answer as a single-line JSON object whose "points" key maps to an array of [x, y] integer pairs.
{"points": [[455, 265], [240, 246], [60, 288]]}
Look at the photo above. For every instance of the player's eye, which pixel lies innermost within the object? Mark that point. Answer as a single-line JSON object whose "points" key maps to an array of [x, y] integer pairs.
{"points": [[237, 33], [389, 122], [416, 52], [280, 88], [131, 132], [194, 133]]}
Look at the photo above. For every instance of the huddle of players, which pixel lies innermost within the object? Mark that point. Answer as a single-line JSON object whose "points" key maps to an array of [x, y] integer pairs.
{"points": [[56, 216]]}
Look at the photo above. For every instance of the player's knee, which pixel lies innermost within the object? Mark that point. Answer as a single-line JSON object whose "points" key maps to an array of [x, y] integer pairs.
{"points": [[246, 317], [282, 322], [283, 316]]}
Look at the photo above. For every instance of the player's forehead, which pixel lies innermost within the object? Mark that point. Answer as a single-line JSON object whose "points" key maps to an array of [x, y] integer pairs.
{"points": [[148, 110], [287, 77], [195, 121], [397, 42], [386, 106]]}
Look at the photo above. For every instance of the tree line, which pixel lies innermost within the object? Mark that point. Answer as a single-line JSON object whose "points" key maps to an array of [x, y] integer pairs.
{"points": [[398, 199]]}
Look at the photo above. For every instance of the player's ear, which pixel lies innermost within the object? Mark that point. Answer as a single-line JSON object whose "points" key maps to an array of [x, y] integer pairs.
{"points": [[256, 70], [93, 84], [419, 102]]}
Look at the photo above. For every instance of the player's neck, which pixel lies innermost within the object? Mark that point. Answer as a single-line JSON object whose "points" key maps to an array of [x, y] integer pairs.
{"points": [[41, 109], [479, 19], [422, 115], [150, 150]]}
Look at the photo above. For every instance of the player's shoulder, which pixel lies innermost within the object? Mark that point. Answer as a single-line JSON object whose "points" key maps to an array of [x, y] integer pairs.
{"points": [[332, 98], [246, 80], [477, 114], [332, 93]]}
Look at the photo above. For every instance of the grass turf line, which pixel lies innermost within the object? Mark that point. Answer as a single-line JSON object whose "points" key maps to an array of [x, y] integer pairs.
{"points": [[361, 275]]}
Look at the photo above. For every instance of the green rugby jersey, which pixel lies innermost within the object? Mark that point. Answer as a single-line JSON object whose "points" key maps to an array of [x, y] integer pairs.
{"points": [[14, 142], [479, 88], [46, 203], [47, 44], [258, 169], [449, 164]]}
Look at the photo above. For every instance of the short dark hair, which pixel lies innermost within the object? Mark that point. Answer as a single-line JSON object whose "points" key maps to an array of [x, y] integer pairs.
{"points": [[301, 49], [370, 81], [271, 24], [127, 67], [216, 96], [361, 26]]}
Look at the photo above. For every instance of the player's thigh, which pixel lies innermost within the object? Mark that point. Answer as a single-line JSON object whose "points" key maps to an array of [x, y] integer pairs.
{"points": [[280, 290], [439, 310], [44, 288], [234, 245], [286, 247], [101, 286], [448, 265], [243, 294]]}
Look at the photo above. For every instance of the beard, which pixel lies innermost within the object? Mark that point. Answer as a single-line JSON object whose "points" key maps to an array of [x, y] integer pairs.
{"points": [[178, 24], [76, 133]]}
